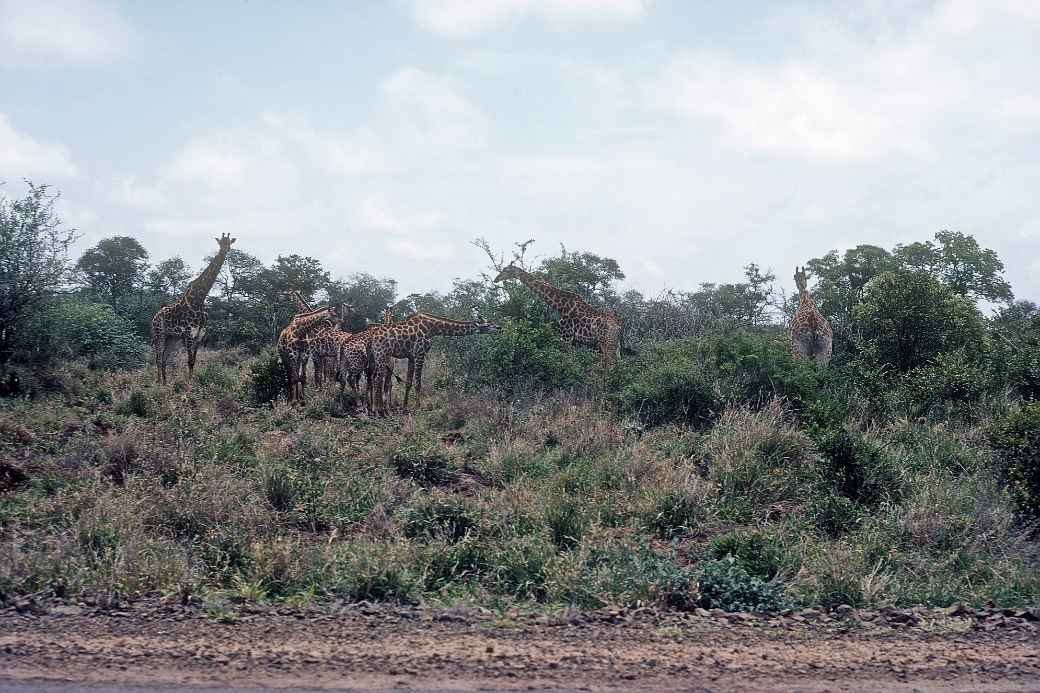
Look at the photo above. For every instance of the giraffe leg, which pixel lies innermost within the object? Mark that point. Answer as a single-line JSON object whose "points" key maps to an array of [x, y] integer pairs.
{"points": [[191, 357], [155, 354], [167, 344], [419, 361], [189, 346], [408, 381]]}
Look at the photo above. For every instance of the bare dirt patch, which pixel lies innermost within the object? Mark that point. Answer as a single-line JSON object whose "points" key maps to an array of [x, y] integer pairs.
{"points": [[367, 646]]}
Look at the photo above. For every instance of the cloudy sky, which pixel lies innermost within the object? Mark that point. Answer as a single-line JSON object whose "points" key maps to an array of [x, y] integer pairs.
{"points": [[684, 139]]}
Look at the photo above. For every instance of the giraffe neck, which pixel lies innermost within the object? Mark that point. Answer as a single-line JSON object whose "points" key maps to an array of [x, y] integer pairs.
{"points": [[308, 321], [301, 305], [556, 298], [199, 288], [445, 327]]}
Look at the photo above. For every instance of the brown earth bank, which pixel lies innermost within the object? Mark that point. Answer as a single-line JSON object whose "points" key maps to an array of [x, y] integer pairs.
{"points": [[368, 646]]}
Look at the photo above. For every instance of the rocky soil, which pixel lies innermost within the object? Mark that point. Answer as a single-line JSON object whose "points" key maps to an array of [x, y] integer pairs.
{"points": [[467, 648]]}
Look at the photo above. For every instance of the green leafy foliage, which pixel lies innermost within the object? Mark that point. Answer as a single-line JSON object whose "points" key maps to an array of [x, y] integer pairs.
{"points": [[1016, 440], [69, 328], [726, 584], [757, 553], [266, 379], [908, 318], [421, 458]]}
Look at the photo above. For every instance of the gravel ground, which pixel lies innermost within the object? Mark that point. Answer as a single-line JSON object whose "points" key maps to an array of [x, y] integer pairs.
{"points": [[374, 647]]}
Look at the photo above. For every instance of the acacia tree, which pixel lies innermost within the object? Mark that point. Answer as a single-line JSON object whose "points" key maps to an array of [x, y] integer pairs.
{"points": [[907, 318], [114, 268], [34, 258]]}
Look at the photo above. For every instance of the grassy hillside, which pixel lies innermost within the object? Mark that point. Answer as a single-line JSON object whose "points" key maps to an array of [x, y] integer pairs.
{"points": [[113, 487]]}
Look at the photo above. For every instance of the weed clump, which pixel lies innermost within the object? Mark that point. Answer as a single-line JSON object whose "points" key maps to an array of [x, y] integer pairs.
{"points": [[1016, 439], [726, 584], [422, 459]]}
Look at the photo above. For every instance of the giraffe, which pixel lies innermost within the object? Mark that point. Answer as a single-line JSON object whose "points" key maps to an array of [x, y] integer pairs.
{"points": [[185, 319], [289, 346], [811, 335], [301, 307], [580, 323], [411, 339], [323, 346]]}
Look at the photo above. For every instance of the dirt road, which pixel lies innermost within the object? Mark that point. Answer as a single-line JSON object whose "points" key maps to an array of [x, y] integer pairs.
{"points": [[378, 648]]}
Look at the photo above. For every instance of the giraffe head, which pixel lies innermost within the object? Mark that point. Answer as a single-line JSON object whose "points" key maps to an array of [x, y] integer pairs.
{"points": [[225, 241], [484, 327], [801, 279], [388, 316], [508, 272]]}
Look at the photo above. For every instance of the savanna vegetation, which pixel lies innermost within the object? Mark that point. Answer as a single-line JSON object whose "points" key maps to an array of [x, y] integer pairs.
{"points": [[707, 469]]}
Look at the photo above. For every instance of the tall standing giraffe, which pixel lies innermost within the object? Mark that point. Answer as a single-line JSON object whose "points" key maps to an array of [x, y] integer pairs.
{"points": [[289, 341], [811, 335], [580, 323], [185, 319], [411, 339]]}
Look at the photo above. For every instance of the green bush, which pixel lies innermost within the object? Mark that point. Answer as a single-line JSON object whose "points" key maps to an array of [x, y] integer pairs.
{"points": [[624, 575], [948, 377], [689, 380], [726, 584], [137, 404], [757, 553], [217, 376], [439, 516], [908, 318], [858, 468], [70, 328], [675, 514], [668, 383], [1016, 440], [266, 380], [422, 459], [833, 514], [520, 357]]}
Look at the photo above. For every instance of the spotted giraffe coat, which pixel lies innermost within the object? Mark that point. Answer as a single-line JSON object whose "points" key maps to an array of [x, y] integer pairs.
{"points": [[184, 321], [811, 335], [580, 323]]}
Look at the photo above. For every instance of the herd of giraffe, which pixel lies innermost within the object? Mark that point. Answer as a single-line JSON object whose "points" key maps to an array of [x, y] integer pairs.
{"points": [[314, 335]]}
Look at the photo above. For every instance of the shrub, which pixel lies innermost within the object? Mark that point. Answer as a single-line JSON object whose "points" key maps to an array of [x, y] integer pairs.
{"points": [[757, 368], [624, 575], [421, 458], [858, 468], [137, 404], [725, 584], [948, 377], [833, 514], [373, 572], [757, 553], [676, 513], [567, 521], [668, 384], [1016, 439], [70, 328], [266, 380], [758, 460], [216, 375], [520, 357], [908, 318], [439, 516]]}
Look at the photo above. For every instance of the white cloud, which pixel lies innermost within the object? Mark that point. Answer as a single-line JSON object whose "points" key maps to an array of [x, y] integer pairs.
{"points": [[463, 18], [61, 32], [430, 113], [22, 155]]}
